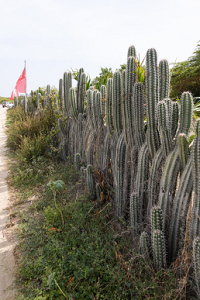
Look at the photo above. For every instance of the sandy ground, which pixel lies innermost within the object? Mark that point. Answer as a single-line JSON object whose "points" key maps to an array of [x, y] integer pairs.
{"points": [[6, 246]]}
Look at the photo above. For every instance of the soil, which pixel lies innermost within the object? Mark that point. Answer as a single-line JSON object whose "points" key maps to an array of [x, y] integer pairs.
{"points": [[7, 243]]}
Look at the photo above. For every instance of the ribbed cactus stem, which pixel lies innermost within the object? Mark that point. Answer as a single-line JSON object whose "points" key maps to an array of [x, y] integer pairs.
{"points": [[77, 161], [195, 222], [165, 126], [142, 177], [119, 167], [186, 113], [168, 183], [175, 116], [48, 90], [73, 104], [138, 109], [117, 103], [97, 110], [196, 261], [78, 104], [159, 251], [164, 85], [90, 108], [180, 209], [131, 51], [67, 84], [183, 149], [144, 244], [60, 93], [81, 93], [151, 101], [109, 100], [131, 78], [156, 219], [103, 100], [90, 180], [124, 99], [80, 133], [135, 214], [154, 179]]}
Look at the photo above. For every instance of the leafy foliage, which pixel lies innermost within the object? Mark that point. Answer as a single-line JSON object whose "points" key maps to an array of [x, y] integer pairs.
{"points": [[185, 76], [103, 77]]}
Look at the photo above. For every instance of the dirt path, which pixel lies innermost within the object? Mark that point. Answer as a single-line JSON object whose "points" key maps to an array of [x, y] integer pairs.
{"points": [[6, 247]]}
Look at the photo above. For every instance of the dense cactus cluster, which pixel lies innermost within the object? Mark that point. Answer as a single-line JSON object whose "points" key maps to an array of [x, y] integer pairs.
{"points": [[151, 173]]}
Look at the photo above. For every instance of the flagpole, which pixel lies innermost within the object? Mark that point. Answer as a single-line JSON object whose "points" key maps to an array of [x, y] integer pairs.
{"points": [[25, 104]]}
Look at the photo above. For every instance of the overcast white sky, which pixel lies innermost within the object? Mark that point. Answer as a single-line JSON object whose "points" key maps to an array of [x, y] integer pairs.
{"points": [[54, 35]]}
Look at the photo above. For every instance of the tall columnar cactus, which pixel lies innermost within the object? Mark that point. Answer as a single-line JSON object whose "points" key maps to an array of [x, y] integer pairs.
{"points": [[164, 85], [73, 104], [174, 118], [81, 92], [90, 153], [159, 251], [77, 161], [195, 222], [154, 179], [183, 149], [117, 103], [106, 153], [119, 167], [156, 219], [124, 99], [90, 180], [131, 51], [67, 84], [48, 89], [168, 183], [90, 108], [144, 244], [38, 97], [165, 126], [109, 100], [151, 101], [180, 209], [186, 113], [60, 93], [142, 177], [78, 99], [127, 178], [131, 78], [80, 133], [103, 100], [97, 110], [138, 109], [135, 213], [196, 262]]}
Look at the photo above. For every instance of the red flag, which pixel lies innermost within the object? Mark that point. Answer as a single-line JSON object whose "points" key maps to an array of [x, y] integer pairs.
{"points": [[11, 97], [17, 93], [21, 83]]}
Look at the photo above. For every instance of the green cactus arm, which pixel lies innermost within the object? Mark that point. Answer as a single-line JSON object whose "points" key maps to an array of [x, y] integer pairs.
{"points": [[81, 93], [131, 51], [183, 148], [109, 100], [73, 104], [159, 250], [78, 105], [174, 118], [135, 215], [138, 109], [124, 115], [154, 179], [144, 244], [167, 184], [119, 167], [103, 100], [196, 261], [117, 103], [152, 95], [180, 208], [186, 113], [164, 85], [156, 219], [67, 84]]}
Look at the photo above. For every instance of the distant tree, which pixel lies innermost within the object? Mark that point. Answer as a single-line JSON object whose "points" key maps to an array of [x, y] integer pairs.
{"points": [[102, 78], [185, 76]]}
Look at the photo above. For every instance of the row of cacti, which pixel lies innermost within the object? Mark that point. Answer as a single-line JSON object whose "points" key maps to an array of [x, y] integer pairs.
{"points": [[153, 170]]}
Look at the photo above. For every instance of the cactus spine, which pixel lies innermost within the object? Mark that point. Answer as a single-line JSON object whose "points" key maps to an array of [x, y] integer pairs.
{"points": [[156, 219], [109, 100], [183, 149], [135, 214], [144, 244], [103, 100], [186, 112], [67, 84]]}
